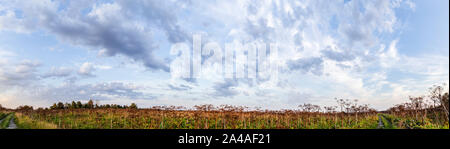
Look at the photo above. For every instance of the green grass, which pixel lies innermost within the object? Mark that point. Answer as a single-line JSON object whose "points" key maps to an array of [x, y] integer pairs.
{"points": [[387, 121], [393, 122], [5, 123], [3, 115]]}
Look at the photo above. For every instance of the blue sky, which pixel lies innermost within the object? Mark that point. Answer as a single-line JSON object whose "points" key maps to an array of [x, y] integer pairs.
{"points": [[379, 52]]}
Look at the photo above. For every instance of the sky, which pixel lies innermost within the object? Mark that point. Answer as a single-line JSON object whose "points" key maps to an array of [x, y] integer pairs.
{"points": [[119, 51]]}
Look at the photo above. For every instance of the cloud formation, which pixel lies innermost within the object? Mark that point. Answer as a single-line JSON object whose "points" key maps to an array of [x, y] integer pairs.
{"points": [[18, 74], [327, 49], [121, 27]]}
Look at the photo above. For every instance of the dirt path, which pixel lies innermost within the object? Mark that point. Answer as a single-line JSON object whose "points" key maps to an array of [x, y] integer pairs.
{"points": [[380, 122], [12, 125]]}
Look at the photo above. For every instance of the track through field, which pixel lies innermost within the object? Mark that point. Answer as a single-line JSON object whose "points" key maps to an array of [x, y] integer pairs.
{"points": [[11, 124]]}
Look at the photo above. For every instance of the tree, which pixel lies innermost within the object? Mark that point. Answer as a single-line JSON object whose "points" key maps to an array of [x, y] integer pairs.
{"points": [[90, 104], [439, 98], [79, 105], [60, 105], [74, 105], [133, 106], [66, 105], [54, 106], [25, 108]]}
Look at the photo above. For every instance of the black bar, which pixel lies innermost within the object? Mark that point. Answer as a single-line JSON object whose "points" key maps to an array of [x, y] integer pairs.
{"points": [[171, 137]]}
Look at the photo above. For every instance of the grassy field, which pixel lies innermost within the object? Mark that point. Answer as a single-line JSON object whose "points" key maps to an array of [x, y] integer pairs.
{"points": [[192, 119], [418, 113]]}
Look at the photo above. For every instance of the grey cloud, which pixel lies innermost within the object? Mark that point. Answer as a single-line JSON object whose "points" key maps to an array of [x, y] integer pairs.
{"points": [[338, 56], [117, 88], [57, 72], [361, 19], [122, 27], [259, 29], [180, 87], [223, 89], [112, 35], [355, 34], [99, 91], [305, 65], [18, 74], [159, 12], [190, 80], [24, 76]]}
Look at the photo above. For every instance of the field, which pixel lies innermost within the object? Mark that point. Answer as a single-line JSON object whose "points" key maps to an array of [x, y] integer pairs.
{"points": [[173, 119], [418, 113]]}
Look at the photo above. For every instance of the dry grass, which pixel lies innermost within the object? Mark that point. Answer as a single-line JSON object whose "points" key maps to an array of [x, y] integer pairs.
{"points": [[193, 119], [25, 122], [424, 112]]}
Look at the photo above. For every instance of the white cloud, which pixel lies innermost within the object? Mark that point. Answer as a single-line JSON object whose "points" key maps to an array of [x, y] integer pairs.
{"points": [[58, 72], [86, 69]]}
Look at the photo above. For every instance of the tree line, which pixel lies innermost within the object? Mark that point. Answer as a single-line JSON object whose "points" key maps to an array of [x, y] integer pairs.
{"points": [[90, 105], [437, 101]]}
